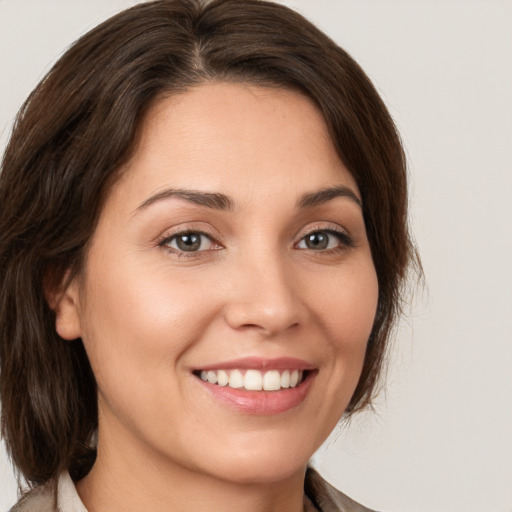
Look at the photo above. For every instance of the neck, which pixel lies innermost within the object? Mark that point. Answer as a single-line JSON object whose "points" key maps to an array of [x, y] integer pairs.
{"points": [[124, 479]]}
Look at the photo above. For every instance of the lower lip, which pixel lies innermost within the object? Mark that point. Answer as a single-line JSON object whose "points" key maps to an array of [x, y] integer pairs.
{"points": [[264, 403]]}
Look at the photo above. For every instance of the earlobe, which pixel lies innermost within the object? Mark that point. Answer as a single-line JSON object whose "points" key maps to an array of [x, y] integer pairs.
{"points": [[64, 301]]}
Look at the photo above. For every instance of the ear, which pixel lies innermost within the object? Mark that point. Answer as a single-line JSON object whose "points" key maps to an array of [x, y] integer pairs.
{"points": [[63, 299]]}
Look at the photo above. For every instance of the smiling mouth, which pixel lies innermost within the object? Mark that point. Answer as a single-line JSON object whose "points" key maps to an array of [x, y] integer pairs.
{"points": [[254, 380]]}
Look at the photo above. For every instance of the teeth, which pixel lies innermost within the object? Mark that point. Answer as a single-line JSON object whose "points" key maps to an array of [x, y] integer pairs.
{"points": [[236, 379], [254, 380], [272, 381], [285, 379], [222, 378]]}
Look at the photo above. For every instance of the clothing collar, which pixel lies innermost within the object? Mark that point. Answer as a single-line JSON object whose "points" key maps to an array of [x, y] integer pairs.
{"points": [[319, 496]]}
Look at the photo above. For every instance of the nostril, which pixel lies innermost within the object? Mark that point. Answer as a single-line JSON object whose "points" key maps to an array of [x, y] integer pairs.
{"points": [[268, 323]]}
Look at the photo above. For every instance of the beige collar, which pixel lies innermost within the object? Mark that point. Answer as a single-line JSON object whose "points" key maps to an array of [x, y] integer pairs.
{"points": [[319, 497], [67, 497]]}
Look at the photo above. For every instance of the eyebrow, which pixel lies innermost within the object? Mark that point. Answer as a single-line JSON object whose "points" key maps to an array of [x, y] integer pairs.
{"points": [[218, 201], [319, 197], [215, 201]]}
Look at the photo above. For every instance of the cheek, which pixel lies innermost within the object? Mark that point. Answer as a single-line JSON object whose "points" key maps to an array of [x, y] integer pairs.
{"points": [[347, 303], [141, 318], [347, 308]]}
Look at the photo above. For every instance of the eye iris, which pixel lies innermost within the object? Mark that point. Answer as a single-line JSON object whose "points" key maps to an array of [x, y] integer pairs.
{"points": [[317, 240], [189, 242]]}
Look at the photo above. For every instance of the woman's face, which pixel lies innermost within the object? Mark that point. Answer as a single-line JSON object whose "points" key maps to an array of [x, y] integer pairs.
{"points": [[231, 254]]}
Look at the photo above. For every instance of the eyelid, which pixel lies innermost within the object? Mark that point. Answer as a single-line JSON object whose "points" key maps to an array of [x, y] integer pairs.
{"points": [[323, 226], [345, 239], [168, 236], [343, 235]]}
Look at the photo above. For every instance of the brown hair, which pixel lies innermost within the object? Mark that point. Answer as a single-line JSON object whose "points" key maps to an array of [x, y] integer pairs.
{"points": [[77, 128]]}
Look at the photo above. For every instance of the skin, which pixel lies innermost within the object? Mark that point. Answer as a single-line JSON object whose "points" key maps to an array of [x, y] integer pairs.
{"points": [[149, 314]]}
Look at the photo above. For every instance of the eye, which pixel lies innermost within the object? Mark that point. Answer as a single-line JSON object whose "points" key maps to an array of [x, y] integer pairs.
{"points": [[325, 239], [189, 241]]}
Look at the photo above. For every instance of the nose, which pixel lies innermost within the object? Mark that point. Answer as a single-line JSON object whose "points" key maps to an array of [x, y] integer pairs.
{"points": [[265, 297]]}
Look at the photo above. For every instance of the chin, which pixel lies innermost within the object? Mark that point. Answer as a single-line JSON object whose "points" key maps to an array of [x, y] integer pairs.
{"points": [[269, 472], [261, 466]]}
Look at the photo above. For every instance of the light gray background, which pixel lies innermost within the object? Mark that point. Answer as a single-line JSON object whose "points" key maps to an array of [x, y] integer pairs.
{"points": [[440, 439]]}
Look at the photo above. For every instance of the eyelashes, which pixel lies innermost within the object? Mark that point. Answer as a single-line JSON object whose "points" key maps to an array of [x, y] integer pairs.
{"points": [[325, 240], [190, 243]]}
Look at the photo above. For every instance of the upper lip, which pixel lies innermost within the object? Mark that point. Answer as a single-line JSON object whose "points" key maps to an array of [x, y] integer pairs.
{"points": [[260, 363]]}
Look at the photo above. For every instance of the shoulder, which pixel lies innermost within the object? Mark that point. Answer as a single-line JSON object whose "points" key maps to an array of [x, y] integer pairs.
{"points": [[40, 499], [326, 498]]}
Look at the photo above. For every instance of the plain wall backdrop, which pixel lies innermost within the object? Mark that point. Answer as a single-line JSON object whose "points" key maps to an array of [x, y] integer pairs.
{"points": [[440, 437]]}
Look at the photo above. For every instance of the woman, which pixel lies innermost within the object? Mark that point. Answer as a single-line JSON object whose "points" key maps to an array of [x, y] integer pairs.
{"points": [[203, 242]]}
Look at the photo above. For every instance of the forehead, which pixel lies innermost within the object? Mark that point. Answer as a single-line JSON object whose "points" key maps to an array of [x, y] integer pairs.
{"points": [[234, 138]]}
